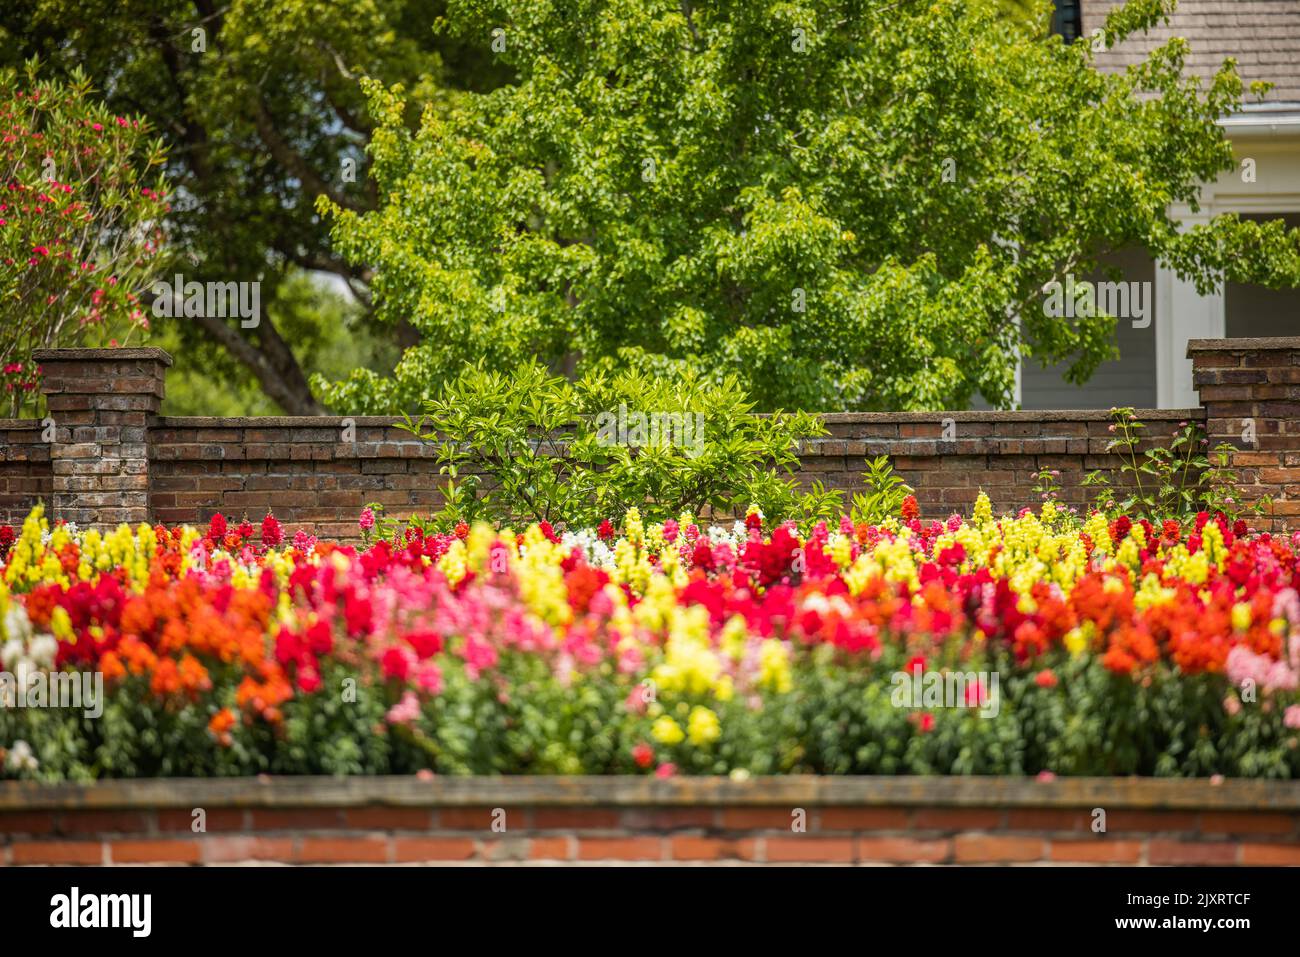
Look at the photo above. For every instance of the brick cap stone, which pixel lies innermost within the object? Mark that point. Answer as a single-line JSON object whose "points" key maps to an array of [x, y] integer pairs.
{"points": [[1053, 415], [102, 355], [1263, 344], [274, 421], [635, 791], [1031, 415]]}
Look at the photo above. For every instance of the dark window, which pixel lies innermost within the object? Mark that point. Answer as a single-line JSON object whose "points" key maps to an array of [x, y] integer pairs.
{"points": [[1068, 19], [1251, 310]]}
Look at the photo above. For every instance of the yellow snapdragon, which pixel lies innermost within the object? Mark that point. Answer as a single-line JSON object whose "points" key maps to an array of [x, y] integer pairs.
{"points": [[703, 726], [1098, 530], [1242, 616], [454, 563], [774, 666], [690, 665], [667, 731], [540, 575]]}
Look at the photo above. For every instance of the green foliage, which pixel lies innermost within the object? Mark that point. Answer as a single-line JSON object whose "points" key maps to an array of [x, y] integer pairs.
{"points": [[1177, 479], [837, 202], [1047, 484], [884, 493], [839, 718], [1221, 486], [1025, 12], [532, 446], [82, 194], [805, 505]]}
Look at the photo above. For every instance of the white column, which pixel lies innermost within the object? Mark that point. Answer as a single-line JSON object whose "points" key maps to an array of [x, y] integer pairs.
{"points": [[1181, 314]]}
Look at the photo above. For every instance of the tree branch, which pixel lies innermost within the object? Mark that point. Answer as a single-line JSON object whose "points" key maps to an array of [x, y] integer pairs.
{"points": [[292, 160], [281, 379]]}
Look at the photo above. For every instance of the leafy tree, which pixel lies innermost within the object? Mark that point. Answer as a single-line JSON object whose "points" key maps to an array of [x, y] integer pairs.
{"points": [[1023, 10], [80, 199], [258, 104], [842, 202]]}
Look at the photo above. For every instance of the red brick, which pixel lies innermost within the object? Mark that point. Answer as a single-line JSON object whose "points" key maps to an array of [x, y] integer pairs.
{"points": [[216, 819], [576, 818], [1261, 359], [688, 847], [154, 852], [802, 847], [551, 849], [58, 852], [1254, 458], [433, 849], [988, 848], [667, 818], [297, 819], [861, 818], [1246, 822], [225, 849], [620, 849], [1191, 852], [103, 822], [1097, 851], [1151, 822], [335, 850], [1271, 855], [471, 818], [758, 818], [389, 818], [904, 850], [27, 822], [957, 819], [1048, 819]]}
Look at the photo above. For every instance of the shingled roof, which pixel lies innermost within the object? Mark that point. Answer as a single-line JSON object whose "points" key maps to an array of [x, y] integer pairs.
{"points": [[1263, 36]]}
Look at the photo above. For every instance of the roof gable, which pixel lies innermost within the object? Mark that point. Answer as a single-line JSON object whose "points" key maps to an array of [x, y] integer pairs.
{"points": [[1263, 36]]}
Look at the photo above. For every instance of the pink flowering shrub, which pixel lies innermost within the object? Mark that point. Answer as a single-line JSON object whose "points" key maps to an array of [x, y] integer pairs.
{"points": [[81, 197]]}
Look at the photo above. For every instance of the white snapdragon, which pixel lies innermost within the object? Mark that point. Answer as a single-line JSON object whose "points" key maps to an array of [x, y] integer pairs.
{"points": [[10, 654], [42, 649], [21, 758], [598, 554]]}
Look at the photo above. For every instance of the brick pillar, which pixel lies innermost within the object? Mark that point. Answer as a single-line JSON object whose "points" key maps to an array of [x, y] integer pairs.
{"points": [[102, 403], [1250, 389]]}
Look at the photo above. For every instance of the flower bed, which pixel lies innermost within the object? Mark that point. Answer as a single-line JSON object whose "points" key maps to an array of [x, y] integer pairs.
{"points": [[1034, 644]]}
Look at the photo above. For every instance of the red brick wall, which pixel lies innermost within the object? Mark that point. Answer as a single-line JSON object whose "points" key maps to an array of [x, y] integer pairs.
{"points": [[116, 459], [948, 457], [1250, 389], [101, 405], [25, 473], [303, 470], [848, 821]]}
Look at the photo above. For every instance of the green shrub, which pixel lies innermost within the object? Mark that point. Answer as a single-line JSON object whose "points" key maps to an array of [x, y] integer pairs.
{"points": [[531, 446]]}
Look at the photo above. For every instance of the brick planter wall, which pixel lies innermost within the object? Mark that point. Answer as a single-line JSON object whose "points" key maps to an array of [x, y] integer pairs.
{"points": [[903, 820], [1250, 390], [26, 475], [307, 474], [101, 403], [115, 458]]}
